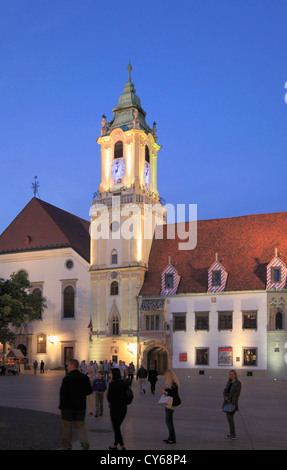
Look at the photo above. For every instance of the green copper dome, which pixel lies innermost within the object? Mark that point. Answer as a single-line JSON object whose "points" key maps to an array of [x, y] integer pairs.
{"points": [[128, 114]]}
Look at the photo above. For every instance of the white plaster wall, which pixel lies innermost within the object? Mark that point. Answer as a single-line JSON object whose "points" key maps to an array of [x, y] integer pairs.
{"points": [[187, 342], [48, 267]]}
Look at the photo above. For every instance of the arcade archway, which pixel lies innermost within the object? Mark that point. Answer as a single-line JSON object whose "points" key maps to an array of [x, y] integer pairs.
{"points": [[156, 356]]}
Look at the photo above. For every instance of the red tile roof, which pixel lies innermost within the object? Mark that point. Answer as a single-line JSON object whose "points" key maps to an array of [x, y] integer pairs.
{"points": [[42, 226], [245, 245]]}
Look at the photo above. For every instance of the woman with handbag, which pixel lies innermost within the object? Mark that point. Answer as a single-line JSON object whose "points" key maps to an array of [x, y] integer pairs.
{"points": [[230, 405], [172, 384]]}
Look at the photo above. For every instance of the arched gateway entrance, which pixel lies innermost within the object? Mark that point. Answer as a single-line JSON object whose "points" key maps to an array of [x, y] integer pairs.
{"points": [[156, 356]]}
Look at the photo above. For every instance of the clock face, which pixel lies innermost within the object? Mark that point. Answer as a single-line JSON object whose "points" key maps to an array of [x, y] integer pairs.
{"points": [[147, 174], [118, 168], [115, 226]]}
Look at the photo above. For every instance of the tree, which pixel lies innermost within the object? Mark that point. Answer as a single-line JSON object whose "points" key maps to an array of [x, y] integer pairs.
{"points": [[17, 305]]}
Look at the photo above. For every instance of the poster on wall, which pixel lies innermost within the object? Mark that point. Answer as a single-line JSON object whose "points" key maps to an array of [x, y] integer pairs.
{"points": [[182, 357], [225, 356]]}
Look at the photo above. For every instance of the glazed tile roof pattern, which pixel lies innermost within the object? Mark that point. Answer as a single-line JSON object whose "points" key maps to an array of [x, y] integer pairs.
{"points": [[42, 226], [245, 246]]}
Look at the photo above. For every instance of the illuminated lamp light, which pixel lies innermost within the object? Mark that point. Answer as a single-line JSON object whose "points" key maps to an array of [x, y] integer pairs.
{"points": [[132, 348], [53, 339]]}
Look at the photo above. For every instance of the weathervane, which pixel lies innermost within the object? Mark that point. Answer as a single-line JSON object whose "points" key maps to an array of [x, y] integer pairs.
{"points": [[35, 186]]}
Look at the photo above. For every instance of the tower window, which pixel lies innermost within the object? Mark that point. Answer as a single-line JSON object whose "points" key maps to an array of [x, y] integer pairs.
{"points": [[114, 257], [114, 288], [119, 149], [147, 154]]}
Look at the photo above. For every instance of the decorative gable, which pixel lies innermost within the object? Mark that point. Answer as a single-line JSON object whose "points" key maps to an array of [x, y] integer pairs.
{"points": [[169, 280], [276, 274], [217, 277]]}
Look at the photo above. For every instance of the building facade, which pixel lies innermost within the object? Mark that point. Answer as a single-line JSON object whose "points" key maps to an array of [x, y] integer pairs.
{"points": [[120, 287], [52, 247]]}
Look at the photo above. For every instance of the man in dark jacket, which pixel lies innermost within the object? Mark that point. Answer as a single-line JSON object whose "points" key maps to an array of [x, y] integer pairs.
{"points": [[73, 392], [141, 377]]}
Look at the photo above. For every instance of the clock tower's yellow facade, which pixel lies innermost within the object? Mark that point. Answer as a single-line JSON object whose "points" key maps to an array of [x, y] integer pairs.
{"points": [[123, 221]]}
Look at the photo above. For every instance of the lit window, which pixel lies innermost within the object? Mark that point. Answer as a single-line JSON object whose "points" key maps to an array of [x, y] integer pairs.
{"points": [[250, 357], [249, 320], [41, 344]]}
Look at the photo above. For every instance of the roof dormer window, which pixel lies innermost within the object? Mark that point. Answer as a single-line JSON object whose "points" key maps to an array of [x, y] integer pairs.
{"points": [[276, 274], [217, 277], [169, 280]]}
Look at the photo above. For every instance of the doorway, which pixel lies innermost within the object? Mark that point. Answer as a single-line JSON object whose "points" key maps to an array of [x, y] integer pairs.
{"points": [[158, 358]]}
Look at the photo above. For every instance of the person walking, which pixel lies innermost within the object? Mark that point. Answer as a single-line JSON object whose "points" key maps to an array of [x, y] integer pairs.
{"points": [[42, 366], [117, 398], [99, 386], [74, 390], [172, 384], [35, 366], [231, 394], [131, 372], [106, 370], [141, 377], [152, 378]]}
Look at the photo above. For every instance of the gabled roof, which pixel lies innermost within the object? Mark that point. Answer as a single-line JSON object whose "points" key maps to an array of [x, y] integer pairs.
{"points": [[245, 245], [41, 226]]}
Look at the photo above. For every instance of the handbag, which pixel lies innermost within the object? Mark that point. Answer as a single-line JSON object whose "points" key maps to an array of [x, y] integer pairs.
{"points": [[228, 408], [166, 401]]}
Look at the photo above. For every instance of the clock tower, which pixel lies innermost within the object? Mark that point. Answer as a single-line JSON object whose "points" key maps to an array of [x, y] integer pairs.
{"points": [[123, 220]]}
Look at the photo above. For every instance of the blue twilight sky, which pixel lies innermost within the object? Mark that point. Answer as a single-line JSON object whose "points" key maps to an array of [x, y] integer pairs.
{"points": [[211, 73]]}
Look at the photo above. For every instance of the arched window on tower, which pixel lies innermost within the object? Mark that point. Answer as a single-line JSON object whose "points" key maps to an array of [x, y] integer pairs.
{"points": [[114, 288], [114, 257], [147, 154], [69, 302], [119, 149]]}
